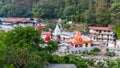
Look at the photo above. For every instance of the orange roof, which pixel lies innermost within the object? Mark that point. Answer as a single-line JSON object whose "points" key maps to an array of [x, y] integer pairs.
{"points": [[15, 20], [78, 37], [100, 28], [79, 40], [45, 33]]}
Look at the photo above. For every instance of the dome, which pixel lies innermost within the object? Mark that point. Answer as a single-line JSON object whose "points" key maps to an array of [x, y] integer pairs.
{"points": [[47, 38]]}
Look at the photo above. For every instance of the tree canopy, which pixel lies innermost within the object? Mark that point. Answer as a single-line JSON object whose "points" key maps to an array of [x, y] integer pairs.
{"points": [[117, 30], [92, 12], [115, 11], [19, 48]]}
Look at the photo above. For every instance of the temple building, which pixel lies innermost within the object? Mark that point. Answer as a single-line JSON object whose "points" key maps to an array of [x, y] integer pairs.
{"points": [[81, 41], [45, 34], [67, 36], [104, 35], [74, 39], [56, 33], [57, 30], [47, 38]]}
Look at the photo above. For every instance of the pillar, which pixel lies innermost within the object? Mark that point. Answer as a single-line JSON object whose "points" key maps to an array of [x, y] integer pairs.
{"points": [[83, 45], [89, 44]]}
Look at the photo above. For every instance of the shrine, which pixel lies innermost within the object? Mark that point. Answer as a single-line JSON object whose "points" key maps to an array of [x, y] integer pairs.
{"points": [[81, 41]]}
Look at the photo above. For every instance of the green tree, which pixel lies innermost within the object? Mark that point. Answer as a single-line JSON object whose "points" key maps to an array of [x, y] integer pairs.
{"points": [[91, 62], [115, 11], [118, 63], [44, 10], [111, 54], [20, 49], [52, 46], [100, 64], [21, 58], [67, 59], [7, 10], [82, 10], [101, 12], [111, 64], [68, 12], [10, 10], [89, 17], [66, 26], [51, 25], [21, 35], [117, 30], [96, 50], [59, 7], [71, 2], [1, 4]]}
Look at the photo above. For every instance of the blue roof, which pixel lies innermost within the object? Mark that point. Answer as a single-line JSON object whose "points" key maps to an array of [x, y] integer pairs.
{"points": [[70, 34]]}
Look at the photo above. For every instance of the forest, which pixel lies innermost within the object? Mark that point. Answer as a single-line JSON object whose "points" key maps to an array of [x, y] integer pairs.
{"points": [[92, 12]]}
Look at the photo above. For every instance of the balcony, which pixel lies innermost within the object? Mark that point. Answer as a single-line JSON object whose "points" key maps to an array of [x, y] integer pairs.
{"points": [[93, 31], [105, 37], [99, 36], [107, 32], [111, 37]]}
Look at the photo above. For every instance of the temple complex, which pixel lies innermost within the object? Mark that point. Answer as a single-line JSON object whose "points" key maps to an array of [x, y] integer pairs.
{"points": [[81, 41]]}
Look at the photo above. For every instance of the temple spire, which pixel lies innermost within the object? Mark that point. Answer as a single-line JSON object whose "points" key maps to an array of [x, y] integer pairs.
{"points": [[78, 37], [57, 30]]}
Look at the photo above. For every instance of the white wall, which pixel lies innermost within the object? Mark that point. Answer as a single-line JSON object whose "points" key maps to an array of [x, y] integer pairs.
{"points": [[6, 28], [117, 43]]}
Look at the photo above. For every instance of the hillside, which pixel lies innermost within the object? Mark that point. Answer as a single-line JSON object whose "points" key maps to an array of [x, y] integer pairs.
{"points": [[92, 12]]}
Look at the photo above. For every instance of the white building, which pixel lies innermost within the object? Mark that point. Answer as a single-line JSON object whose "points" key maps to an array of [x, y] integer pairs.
{"points": [[6, 27], [67, 36], [106, 35], [63, 48], [10, 23], [117, 43]]}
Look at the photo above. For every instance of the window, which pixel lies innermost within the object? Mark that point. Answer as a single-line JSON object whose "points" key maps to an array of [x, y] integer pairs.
{"points": [[100, 31]]}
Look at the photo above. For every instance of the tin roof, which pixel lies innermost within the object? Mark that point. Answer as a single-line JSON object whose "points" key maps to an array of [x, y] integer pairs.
{"points": [[100, 28], [61, 66], [15, 20]]}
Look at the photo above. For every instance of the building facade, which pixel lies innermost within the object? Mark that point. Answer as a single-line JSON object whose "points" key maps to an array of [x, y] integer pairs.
{"points": [[106, 35], [9, 23]]}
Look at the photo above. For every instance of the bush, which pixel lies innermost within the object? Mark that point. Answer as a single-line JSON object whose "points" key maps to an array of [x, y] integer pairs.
{"points": [[117, 30], [96, 49], [66, 26], [111, 54]]}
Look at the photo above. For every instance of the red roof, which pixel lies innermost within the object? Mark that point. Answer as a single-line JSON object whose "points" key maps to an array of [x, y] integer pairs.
{"points": [[100, 28], [40, 27], [47, 38], [45, 33], [15, 20]]}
